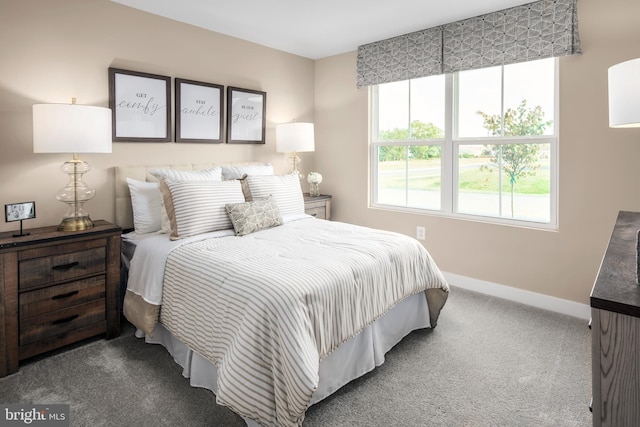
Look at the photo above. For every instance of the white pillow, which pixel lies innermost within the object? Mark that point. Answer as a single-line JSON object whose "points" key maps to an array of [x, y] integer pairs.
{"points": [[196, 207], [213, 174], [285, 189], [145, 201], [237, 172]]}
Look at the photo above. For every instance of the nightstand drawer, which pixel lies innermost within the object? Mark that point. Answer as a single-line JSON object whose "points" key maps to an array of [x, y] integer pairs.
{"points": [[319, 212], [57, 268], [61, 321], [318, 206], [54, 298]]}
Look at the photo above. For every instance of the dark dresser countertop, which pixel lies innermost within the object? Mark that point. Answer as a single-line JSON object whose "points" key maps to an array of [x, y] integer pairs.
{"points": [[616, 288]]}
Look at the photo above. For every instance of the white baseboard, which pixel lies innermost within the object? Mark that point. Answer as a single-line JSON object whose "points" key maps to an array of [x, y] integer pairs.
{"points": [[558, 305]]}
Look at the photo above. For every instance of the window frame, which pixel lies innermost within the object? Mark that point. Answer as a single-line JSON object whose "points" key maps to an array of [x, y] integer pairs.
{"points": [[450, 148]]}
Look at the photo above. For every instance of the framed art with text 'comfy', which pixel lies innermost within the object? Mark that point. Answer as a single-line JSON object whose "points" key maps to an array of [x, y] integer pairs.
{"points": [[140, 106]]}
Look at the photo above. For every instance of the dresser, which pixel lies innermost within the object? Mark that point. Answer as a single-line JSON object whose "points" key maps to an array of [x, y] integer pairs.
{"points": [[615, 329], [318, 206], [57, 288]]}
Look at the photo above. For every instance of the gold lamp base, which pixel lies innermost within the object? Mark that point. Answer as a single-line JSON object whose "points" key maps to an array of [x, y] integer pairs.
{"points": [[295, 161], [76, 224]]}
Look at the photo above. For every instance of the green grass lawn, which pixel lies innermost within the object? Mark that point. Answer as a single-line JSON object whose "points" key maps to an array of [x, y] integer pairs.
{"points": [[472, 178]]}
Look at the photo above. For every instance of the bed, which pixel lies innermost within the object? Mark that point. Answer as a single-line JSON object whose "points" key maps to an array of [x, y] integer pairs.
{"points": [[269, 308]]}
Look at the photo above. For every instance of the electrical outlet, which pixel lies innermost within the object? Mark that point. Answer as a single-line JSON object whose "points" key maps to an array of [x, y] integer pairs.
{"points": [[420, 232]]}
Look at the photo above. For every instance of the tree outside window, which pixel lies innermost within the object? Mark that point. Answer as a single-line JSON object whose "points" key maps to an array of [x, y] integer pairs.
{"points": [[516, 160]]}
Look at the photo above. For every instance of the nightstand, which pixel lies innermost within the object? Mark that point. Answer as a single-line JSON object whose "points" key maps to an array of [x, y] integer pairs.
{"points": [[57, 288], [318, 206]]}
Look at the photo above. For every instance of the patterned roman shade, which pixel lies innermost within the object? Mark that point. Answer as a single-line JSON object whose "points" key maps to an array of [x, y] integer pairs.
{"points": [[542, 29], [404, 57]]}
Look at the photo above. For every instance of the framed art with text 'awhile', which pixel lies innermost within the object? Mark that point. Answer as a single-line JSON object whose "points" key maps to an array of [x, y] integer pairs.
{"points": [[198, 111], [246, 111], [140, 106]]}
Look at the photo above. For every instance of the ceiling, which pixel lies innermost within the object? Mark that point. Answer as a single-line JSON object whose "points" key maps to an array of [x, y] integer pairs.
{"points": [[317, 29]]}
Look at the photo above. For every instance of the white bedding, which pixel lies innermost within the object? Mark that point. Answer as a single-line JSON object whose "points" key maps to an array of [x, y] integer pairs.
{"points": [[358, 356], [146, 270], [272, 305]]}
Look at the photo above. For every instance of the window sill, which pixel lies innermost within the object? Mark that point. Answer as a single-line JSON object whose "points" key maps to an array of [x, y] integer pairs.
{"points": [[532, 225]]}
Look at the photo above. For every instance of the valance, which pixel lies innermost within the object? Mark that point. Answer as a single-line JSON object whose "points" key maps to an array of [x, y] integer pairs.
{"points": [[542, 29], [409, 56]]}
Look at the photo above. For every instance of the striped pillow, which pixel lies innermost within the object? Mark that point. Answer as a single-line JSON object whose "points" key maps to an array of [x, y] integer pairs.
{"points": [[213, 174], [285, 189], [236, 172], [196, 207]]}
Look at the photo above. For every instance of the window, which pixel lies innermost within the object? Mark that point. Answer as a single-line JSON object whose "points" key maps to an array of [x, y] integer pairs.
{"points": [[478, 143]]}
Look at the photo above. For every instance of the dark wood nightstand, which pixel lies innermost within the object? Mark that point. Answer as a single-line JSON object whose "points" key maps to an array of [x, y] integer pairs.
{"points": [[57, 288], [318, 206]]}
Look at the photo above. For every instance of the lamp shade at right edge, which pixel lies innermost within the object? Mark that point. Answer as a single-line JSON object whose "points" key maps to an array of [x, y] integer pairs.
{"points": [[624, 94]]}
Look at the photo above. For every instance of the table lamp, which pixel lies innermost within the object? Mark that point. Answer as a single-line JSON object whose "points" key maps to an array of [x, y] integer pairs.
{"points": [[72, 128], [624, 94], [624, 109], [295, 138]]}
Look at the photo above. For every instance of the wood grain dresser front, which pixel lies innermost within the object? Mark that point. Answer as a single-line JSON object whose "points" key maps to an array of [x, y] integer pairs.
{"points": [[57, 288]]}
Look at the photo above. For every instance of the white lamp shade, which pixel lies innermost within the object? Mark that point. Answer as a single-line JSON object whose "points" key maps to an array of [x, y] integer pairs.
{"points": [[294, 137], [71, 128], [624, 94]]}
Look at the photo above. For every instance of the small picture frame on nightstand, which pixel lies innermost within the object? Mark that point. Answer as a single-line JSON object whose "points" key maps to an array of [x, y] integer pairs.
{"points": [[19, 212]]}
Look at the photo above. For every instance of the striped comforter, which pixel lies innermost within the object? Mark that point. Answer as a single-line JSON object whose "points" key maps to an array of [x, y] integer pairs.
{"points": [[267, 307]]}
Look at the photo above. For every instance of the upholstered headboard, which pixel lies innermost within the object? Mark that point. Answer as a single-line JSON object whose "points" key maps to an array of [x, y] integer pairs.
{"points": [[124, 211]]}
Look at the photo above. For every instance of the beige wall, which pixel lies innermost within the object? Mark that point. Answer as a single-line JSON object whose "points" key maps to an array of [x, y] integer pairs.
{"points": [[599, 169], [51, 51]]}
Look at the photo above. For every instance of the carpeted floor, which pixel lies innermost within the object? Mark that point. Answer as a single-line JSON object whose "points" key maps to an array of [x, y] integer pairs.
{"points": [[489, 362]]}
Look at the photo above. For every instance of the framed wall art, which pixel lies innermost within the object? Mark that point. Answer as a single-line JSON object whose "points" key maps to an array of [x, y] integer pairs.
{"points": [[198, 111], [246, 116], [140, 106]]}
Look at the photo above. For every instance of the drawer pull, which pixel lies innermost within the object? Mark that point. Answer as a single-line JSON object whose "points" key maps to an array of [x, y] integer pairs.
{"points": [[67, 295], [65, 319], [314, 214], [65, 267]]}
